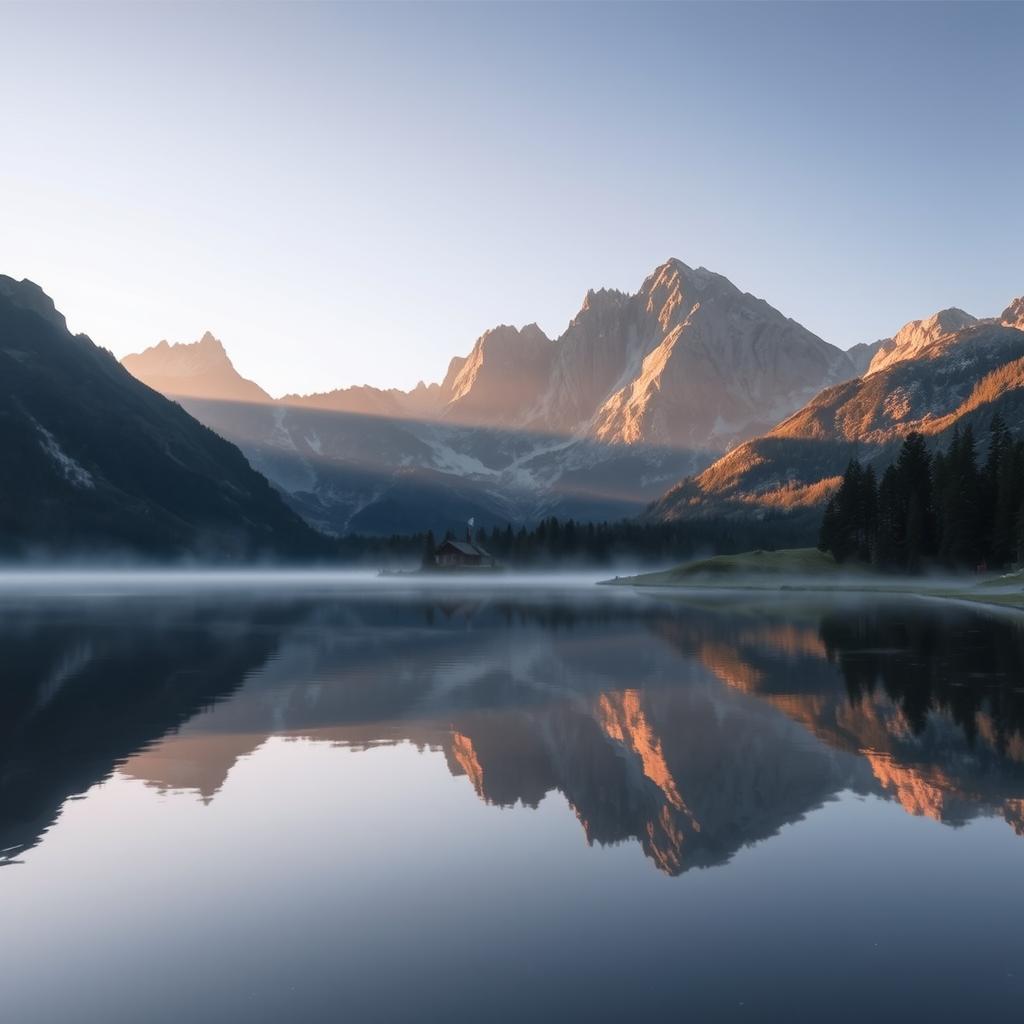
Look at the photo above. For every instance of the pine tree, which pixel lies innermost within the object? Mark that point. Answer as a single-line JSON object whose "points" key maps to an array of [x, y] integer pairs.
{"points": [[1000, 449], [915, 525], [429, 547], [828, 536], [915, 533], [889, 536], [867, 514], [1008, 497], [960, 502], [1020, 532], [849, 524]]}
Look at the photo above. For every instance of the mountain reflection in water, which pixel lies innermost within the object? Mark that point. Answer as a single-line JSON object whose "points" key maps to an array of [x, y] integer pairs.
{"points": [[693, 730]]}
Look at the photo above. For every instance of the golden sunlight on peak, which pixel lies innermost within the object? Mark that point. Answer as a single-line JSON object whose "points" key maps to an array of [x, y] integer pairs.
{"points": [[665, 842], [466, 758], [727, 664], [917, 790], [624, 721]]}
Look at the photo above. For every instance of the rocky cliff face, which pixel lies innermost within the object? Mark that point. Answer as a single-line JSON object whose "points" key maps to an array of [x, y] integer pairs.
{"points": [[638, 390], [707, 364], [499, 383], [1013, 315], [932, 380], [911, 340]]}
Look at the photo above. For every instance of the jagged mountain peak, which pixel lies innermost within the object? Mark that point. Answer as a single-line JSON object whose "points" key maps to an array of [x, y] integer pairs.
{"points": [[195, 369], [602, 297], [180, 353], [703, 363], [1013, 315], [208, 341], [28, 295], [504, 333], [674, 269], [910, 341], [504, 373], [695, 283]]}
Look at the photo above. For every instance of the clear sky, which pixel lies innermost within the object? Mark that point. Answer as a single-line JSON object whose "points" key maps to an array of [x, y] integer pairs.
{"points": [[352, 193]]}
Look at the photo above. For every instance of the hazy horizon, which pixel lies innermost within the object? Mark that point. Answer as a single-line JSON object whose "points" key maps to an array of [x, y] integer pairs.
{"points": [[352, 194]]}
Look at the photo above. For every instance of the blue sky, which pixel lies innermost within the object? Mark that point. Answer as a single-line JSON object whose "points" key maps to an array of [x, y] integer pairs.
{"points": [[352, 193]]}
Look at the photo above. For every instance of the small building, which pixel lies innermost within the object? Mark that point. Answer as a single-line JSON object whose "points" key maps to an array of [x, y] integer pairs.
{"points": [[462, 554]]}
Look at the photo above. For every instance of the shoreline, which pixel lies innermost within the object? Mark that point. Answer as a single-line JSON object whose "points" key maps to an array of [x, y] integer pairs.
{"points": [[1012, 600]]}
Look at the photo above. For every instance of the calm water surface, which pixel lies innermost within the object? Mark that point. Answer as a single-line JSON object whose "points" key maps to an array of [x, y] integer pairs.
{"points": [[383, 804]]}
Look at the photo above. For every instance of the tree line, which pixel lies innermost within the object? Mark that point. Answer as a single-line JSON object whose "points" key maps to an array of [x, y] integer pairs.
{"points": [[921, 659], [566, 542], [943, 508]]}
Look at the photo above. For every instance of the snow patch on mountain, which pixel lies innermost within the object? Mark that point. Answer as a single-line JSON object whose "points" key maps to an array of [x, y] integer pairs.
{"points": [[75, 473]]}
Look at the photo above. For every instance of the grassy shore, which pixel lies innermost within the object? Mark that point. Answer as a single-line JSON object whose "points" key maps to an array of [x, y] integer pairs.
{"points": [[812, 570]]}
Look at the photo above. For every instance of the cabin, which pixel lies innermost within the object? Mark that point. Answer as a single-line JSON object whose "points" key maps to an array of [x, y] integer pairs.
{"points": [[462, 554]]}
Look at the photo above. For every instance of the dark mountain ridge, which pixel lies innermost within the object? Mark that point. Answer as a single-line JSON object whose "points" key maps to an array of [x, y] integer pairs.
{"points": [[95, 463]]}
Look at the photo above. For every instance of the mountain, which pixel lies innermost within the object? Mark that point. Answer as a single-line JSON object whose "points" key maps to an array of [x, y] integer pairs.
{"points": [[934, 377], [202, 370], [1013, 315], [499, 383], [688, 360], [914, 338], [862, 353], [94, 462], [638, 390]]}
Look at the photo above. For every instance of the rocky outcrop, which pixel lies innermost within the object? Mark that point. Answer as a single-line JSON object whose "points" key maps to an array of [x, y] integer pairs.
{"points": [[913, 339], [1013, 315]]}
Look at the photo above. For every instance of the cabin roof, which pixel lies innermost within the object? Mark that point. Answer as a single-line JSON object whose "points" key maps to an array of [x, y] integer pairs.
{"points": [[464, 548]]}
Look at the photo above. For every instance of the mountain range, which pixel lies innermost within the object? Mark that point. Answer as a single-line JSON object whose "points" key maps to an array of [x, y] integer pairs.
{"points": [[932, 376], [687, 399], [639, 390]]}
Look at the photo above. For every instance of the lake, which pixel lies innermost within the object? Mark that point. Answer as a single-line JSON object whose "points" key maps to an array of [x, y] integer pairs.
{"points": [[376, 801]]}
